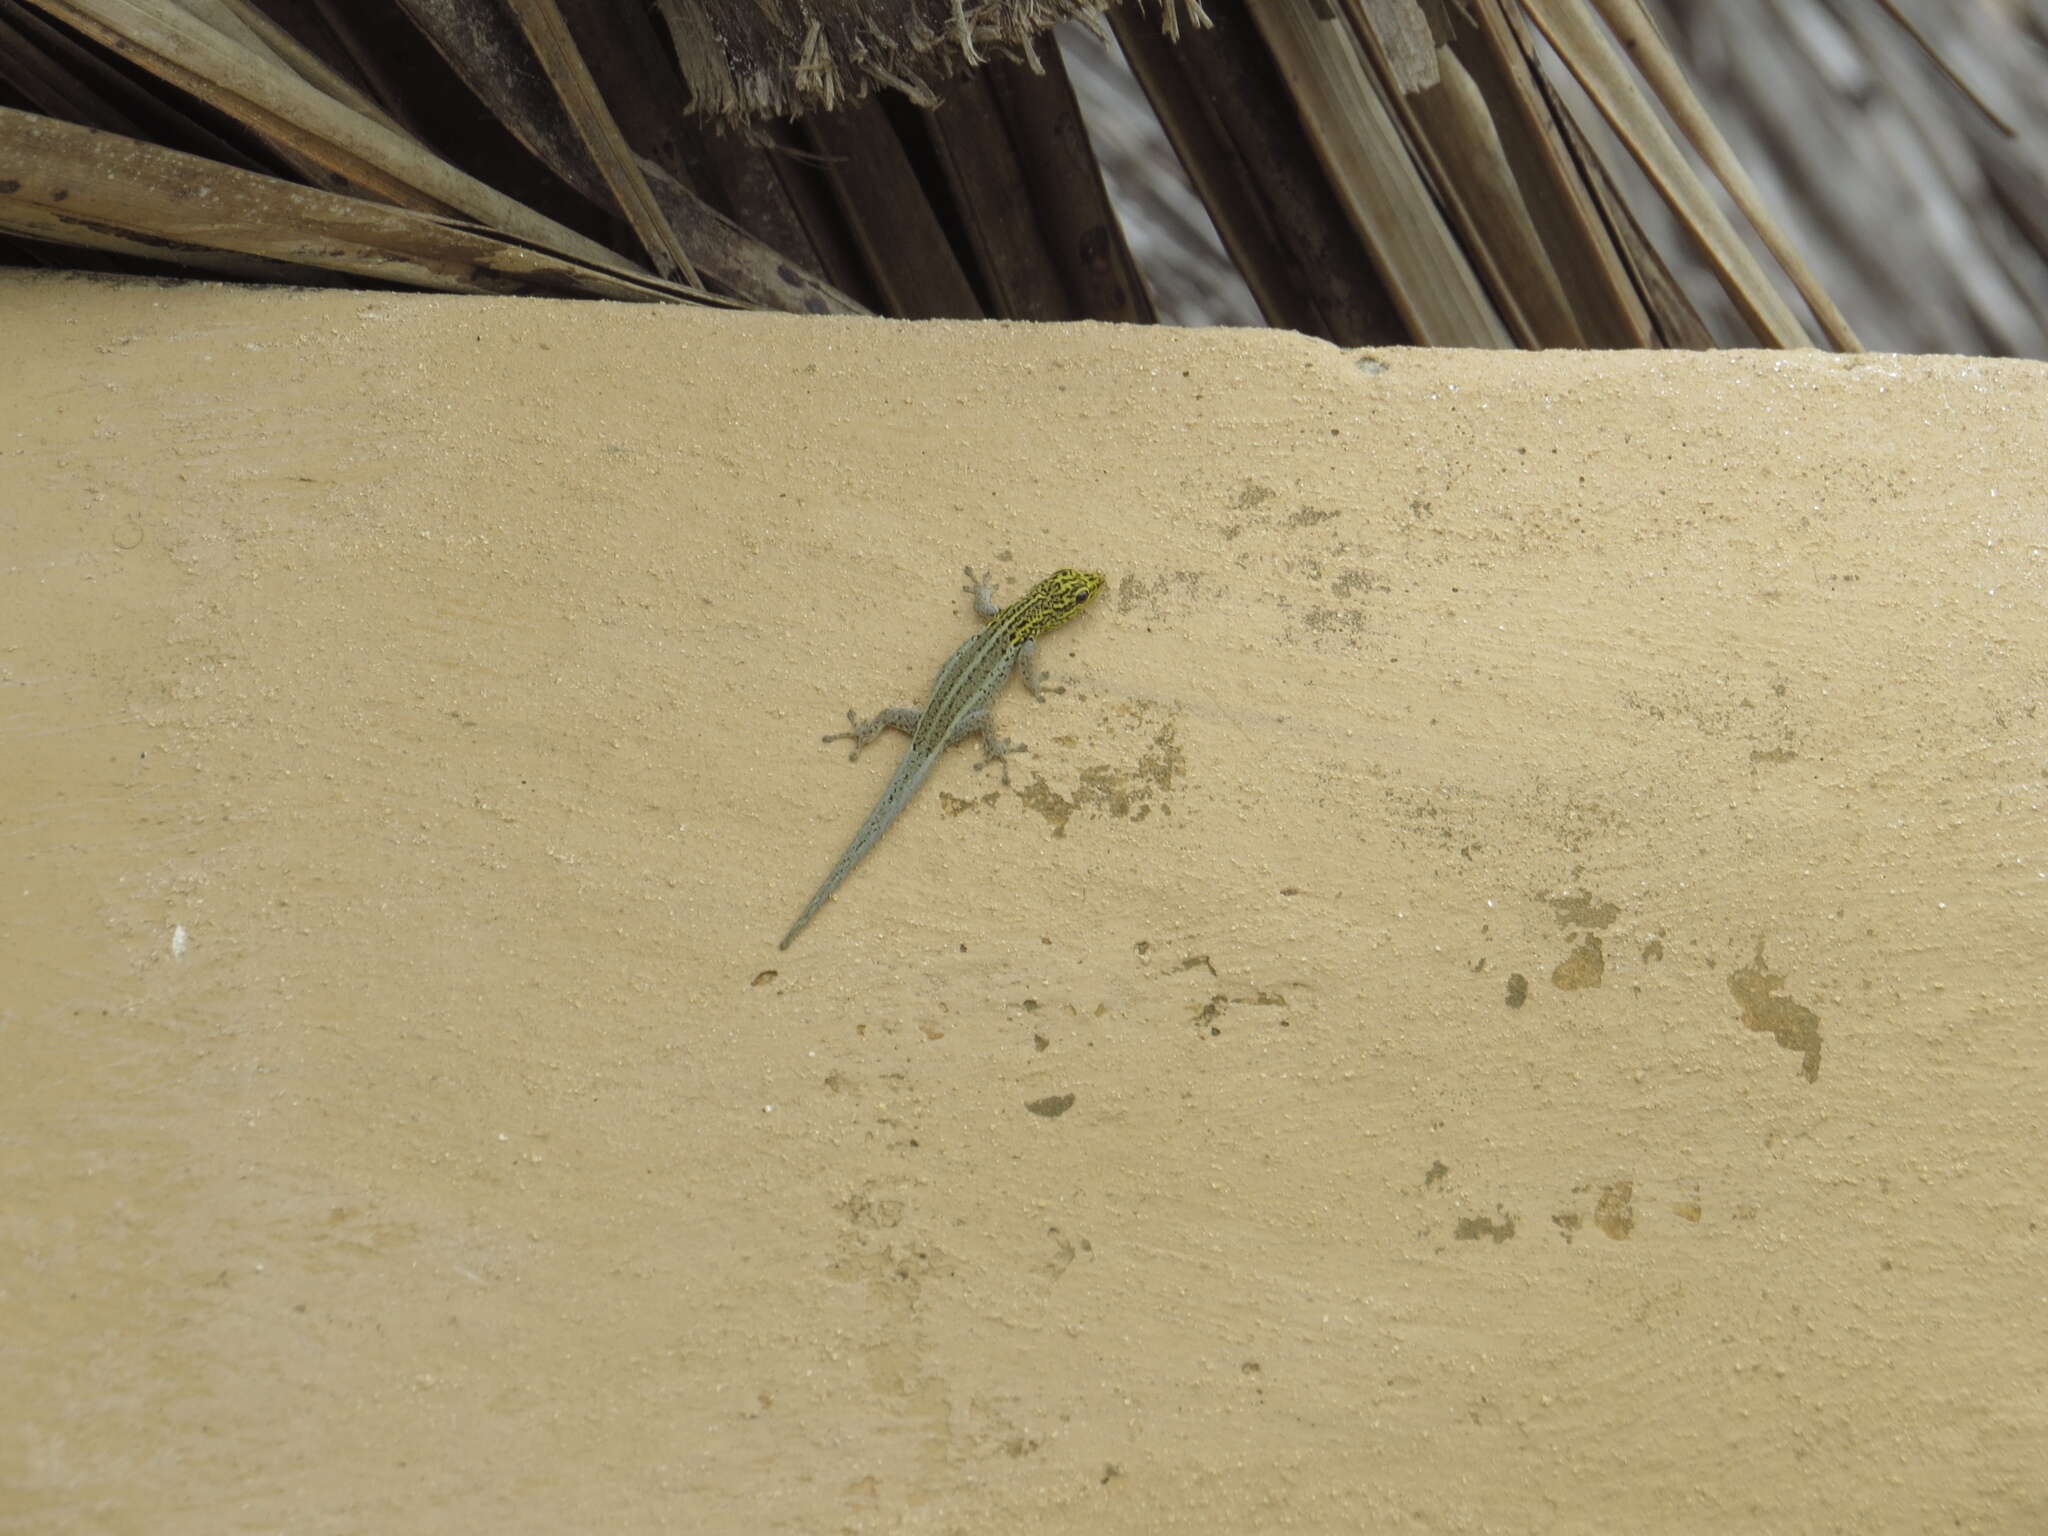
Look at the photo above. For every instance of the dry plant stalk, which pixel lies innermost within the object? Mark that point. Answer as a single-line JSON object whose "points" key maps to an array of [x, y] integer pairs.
{"points": [[178, 206], [545, 29], [280, 104], [1572, 30], [1627, 21], [1341, 102]]}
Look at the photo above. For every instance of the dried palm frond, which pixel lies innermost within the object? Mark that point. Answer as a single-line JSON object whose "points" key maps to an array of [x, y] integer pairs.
{"points": [[1455, 172]]}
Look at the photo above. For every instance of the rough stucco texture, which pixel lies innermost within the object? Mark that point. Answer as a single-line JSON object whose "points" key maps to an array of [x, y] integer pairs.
{"points": [[1508, 992]]}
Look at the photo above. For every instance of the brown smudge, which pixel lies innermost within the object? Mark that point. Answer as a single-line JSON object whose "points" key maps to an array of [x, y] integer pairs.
{"points": [[1472, 1228], [1794, 1027], [1615, 1213], [1583, 967]]}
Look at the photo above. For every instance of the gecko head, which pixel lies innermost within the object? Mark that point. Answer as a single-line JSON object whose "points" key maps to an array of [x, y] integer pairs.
{"points": [[1051, 603]]}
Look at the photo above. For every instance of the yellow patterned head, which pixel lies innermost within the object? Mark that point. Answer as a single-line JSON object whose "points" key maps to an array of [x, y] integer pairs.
{"points": [[1048, 605]]}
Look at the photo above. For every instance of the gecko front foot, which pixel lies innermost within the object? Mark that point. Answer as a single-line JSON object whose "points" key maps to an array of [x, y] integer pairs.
{"points": [[984, 596]]}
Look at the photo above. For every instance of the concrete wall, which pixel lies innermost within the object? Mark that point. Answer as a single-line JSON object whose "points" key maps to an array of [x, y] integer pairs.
{"points": [[1508, 992]]}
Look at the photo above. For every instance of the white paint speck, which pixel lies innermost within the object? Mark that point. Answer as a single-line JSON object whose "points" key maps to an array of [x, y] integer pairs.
{"points": [[180, 942]]}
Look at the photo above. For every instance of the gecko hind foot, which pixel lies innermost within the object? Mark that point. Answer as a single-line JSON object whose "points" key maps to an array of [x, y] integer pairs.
{"points": [[999, 753], [860, 735]]}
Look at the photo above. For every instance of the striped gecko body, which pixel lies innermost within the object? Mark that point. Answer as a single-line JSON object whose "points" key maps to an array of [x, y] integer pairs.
{"points": [[961, 696]]}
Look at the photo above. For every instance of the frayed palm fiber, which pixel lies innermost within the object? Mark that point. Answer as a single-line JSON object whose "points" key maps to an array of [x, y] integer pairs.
{"points": [[745, 59]]}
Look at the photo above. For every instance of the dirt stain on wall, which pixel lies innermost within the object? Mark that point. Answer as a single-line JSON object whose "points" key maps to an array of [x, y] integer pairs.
{"points": [[1796, 1028]]}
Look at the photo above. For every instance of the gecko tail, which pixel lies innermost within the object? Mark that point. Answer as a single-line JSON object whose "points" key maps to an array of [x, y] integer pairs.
{"points": [[909, 775], [803, 921]]}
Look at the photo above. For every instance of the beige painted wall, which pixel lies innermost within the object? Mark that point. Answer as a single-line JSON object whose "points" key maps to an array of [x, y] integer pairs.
{"points": [[1509, 992]]}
